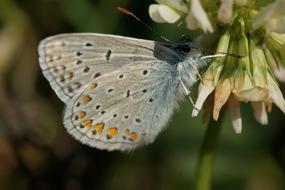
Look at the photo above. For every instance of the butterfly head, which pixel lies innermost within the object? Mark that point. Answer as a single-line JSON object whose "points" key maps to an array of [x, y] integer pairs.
{"points": [[186, 47]]}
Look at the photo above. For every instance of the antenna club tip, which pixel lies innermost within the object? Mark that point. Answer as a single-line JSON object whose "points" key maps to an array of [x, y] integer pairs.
{"points": [[125, 11]]}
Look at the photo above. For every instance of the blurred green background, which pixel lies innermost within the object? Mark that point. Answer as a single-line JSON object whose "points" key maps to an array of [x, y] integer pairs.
{"points": [[37, 153]]}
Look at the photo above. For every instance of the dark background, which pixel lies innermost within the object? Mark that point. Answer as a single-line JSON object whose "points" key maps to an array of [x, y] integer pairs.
{"points": [[37, 153]]}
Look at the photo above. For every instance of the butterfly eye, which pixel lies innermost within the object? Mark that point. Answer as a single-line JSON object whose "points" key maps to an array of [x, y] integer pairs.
{"points": [[184, 48]]}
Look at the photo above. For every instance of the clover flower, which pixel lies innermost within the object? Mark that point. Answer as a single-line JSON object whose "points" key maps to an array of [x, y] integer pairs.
{"points": [[271, 17], [254, 33], [170, 11], [275, 54], [248, 79]]}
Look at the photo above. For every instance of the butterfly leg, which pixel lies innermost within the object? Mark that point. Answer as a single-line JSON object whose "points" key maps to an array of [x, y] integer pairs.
{"points": [[187, 92], [197, 72], [205, 57]]}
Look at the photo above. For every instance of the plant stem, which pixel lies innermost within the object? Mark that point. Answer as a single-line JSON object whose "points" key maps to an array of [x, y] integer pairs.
{"points": [[206, 156]]}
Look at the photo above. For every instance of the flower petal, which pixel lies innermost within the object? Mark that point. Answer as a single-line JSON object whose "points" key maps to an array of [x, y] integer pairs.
{"points": [[255, 94], [279, 38], [279, 72], [263, 15], [259, 65], [276, 24], [191, 22], [200, 15], [234, 108], [259, 111], [225, 11], [271, 13], [162, 13], [178, 5], [276, 94], [204, 91], [154, 13], [222, 93]]}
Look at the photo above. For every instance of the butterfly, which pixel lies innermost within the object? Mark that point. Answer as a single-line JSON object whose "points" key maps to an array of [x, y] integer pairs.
{"points": [[119, 92]]}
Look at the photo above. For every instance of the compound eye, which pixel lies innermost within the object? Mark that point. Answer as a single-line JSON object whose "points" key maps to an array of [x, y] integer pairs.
{"points": [[184, 48]]}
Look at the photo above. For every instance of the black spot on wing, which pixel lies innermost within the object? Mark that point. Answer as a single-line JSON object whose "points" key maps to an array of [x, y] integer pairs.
{"points": [[97, 75], [108, 54], [78, 62], [86, 69], [78, 53], [88, 44], [128, 93]]}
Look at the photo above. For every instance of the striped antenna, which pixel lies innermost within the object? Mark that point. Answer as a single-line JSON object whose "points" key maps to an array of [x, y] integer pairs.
{"points": [[127, 12]]}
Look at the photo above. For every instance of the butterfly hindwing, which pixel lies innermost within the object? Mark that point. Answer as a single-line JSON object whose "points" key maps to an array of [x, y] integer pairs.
{"points": [[124, 109], [70, 61]]}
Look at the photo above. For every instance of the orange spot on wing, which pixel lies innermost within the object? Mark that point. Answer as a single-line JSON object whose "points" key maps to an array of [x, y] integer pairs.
{"points": [[93, 86], [133, 136], [82, 114], [87, 122], [86, 99], [99, 127], [69, 76], [112, 132]]}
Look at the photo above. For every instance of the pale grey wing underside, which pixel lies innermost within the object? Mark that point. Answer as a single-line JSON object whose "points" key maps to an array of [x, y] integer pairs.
{"points": [[124, 109], [70, 61]]}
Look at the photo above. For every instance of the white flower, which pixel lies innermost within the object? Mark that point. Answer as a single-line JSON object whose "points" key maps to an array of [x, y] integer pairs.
{"points": [[280, 73], [197, 17], [275, 54], [247, 79], [272, 17], [168, 11], [225, 11]]}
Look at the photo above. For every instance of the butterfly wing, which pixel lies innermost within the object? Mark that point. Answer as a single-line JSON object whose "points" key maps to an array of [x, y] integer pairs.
{"points": [[70, 61], [124, 109]]}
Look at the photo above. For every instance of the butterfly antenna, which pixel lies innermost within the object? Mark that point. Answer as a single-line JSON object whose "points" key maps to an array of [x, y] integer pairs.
{"points": [[127, 12]]}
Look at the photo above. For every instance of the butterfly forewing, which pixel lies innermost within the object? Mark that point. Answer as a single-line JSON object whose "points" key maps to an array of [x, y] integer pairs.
{"points": [[70, 61]]}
